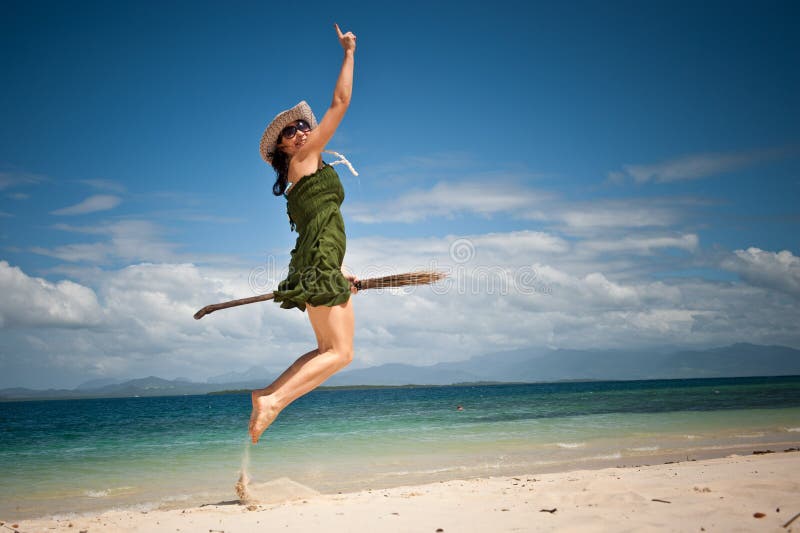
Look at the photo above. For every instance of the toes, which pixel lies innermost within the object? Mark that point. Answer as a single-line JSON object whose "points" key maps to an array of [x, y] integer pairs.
{"points": [[255, 434]]}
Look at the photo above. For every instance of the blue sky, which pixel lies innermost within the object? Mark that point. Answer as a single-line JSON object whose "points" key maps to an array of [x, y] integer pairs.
{"points": [[639, 161]]}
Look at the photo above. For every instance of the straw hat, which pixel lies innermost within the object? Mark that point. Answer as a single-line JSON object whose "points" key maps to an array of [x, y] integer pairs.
{"points": [[269, 140]]}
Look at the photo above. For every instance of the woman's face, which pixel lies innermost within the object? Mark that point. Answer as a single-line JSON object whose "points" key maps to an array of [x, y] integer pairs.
{"points": [[294, 136]]}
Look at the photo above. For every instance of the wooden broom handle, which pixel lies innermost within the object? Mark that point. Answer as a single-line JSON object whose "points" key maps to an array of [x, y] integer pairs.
{"points": [[399, 280], [207, 310]]}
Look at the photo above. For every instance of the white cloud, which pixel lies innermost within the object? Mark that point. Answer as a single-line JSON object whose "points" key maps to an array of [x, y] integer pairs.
{"points": [[699, 165], [127, 240], [108, 185], [521, 242], [475, 197], [596, 291], [689, 167], [774, 270], [449, 199], [510, 290], [416, 168], [143, 323], [641, 244], [92, 204], [630, 213], [16, 179], [101, 229], [377, 256], [31, 301]]}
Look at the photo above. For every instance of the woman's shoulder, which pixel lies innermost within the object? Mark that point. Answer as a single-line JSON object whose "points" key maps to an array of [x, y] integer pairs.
{"points": [[304, 172]]}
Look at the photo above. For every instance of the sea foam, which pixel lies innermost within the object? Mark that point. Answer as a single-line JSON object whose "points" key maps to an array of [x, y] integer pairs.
{"points": [[570, 445], [645, 449]]}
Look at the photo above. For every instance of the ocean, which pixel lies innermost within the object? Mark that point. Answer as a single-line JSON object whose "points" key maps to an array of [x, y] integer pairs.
{"points": [[79, 456]]}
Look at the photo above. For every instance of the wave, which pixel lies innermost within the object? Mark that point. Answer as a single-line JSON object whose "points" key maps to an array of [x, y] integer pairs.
{"points": [[570, 445], [104, 493], [433, 470], [645, 449], [615, 455]]}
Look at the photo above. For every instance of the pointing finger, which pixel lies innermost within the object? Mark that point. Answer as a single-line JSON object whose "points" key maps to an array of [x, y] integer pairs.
{"points": [[338, 31]]}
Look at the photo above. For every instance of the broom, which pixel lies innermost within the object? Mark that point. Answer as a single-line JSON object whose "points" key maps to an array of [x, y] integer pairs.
{"points": [[396, 280]]}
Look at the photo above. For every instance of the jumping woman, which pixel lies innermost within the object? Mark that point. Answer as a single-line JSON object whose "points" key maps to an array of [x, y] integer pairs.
{"points": [[293, 144]]}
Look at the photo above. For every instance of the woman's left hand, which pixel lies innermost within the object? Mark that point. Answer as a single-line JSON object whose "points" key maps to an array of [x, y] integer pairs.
{"points": [[353, 280]]}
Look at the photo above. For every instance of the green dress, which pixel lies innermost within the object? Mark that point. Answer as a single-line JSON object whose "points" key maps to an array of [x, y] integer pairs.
{"points": [[315, 276]]}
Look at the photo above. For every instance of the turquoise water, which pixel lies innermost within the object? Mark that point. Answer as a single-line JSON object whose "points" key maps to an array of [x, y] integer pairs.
{"points": [[59, 457]]}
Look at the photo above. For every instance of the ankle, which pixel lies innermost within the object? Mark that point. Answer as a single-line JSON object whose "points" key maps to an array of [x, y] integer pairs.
{"points": [[268, 400], [258, 393]]}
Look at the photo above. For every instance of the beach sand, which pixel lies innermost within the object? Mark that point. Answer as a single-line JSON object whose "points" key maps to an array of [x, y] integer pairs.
{"points": [[735, 493]]}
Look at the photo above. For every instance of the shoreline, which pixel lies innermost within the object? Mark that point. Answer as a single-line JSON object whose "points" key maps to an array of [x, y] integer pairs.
{"points": [[722, 493]]}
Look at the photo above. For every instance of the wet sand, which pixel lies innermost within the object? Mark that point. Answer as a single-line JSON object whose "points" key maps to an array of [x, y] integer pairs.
{"points": [[735, 493]]}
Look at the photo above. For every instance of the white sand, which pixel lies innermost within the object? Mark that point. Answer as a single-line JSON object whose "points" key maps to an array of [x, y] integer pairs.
{"points": [[709, 495]]}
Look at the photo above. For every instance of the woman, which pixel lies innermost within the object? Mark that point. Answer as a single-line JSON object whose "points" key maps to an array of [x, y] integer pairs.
{"points": [[293, 145]]}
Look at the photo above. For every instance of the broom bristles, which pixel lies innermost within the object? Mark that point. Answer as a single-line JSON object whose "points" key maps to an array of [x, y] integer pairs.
{"points": [[401, 280]]}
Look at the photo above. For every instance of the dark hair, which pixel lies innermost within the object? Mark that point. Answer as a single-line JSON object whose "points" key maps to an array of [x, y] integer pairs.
{"points": [[280, 162]]}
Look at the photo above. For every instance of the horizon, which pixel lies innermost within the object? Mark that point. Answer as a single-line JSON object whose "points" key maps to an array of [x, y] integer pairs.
{"points": [[367, 386], [589, 178], [89, 390]]}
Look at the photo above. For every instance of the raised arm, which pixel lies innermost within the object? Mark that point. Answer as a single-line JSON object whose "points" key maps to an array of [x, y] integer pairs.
{"points": [[320, 136]]}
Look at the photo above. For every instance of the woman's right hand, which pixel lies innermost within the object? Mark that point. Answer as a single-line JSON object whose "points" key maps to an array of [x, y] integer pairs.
{"points": [[353, 282], [347, 40]]}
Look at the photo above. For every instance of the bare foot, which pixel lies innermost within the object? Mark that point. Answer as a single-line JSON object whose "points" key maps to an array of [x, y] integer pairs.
{"points": [[265, 410]]}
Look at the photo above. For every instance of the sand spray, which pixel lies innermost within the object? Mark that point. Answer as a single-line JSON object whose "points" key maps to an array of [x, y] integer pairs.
{"points": [[244, 477], [273, 491]]}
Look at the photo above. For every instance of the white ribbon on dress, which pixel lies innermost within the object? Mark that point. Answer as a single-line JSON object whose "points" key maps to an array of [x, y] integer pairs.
{"points": [[342, 159]]}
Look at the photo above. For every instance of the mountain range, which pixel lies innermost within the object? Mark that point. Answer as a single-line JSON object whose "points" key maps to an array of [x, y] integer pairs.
{"points": [[525, 365]]}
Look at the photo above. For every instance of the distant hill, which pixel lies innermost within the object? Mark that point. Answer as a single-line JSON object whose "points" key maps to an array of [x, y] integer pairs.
{"points": [[557, 365], [527, 365], [149, 386], [254, 373], [400, 374]]}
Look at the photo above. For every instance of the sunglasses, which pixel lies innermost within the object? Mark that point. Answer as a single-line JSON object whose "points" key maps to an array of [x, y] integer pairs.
{"points": [[291, 130]]}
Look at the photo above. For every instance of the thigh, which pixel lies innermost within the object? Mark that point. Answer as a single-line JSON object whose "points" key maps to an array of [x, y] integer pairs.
{"points": [[333, 326]]}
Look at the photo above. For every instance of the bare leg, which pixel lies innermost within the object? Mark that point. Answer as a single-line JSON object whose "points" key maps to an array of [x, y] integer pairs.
{"points": [[333, 327]]}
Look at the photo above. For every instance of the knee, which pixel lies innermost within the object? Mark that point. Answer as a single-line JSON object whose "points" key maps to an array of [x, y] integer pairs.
{"points": [[345, 356]]}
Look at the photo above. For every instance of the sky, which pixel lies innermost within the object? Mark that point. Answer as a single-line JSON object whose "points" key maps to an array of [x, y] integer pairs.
{"points": [[615, 175]]}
